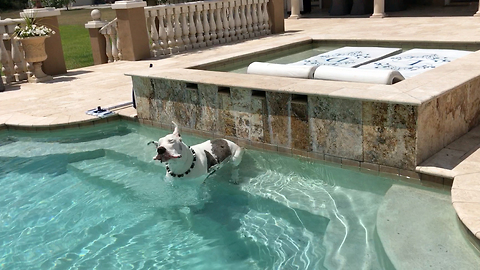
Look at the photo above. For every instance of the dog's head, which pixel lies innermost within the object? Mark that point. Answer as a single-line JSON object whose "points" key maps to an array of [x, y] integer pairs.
{"points": [[169, 147]]}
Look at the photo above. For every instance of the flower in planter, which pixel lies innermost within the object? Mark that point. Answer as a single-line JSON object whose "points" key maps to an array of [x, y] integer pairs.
{"points": [[31, 29]]}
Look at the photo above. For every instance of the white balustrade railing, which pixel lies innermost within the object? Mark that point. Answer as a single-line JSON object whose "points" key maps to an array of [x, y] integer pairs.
{"points": [[185, 26], [12, 57], [113, 49]]}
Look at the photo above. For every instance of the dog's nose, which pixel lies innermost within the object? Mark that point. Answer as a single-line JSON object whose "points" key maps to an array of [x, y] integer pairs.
{"points": [[161, 150]]}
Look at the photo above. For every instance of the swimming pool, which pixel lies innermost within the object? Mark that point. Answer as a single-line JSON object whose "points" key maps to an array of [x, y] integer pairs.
{"points": [[305, 50], [93, 198]]}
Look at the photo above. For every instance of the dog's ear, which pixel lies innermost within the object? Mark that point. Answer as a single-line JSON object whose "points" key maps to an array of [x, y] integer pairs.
{"points": [[175, 130], [154, 142]]}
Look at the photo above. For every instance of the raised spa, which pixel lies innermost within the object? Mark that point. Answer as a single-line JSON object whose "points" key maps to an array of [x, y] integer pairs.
{"points": [[388, 127]]}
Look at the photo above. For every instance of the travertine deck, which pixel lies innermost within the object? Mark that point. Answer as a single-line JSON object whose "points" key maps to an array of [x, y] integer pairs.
{"points": [[461, 161], [66, 99]]}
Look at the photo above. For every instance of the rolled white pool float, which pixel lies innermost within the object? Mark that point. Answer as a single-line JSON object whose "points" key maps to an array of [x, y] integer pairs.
{"points": [[358, 75], [280, 70]]}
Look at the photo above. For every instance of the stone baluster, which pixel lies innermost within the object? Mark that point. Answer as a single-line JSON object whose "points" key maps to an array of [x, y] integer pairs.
{"points": [[170, 33], [198, 21], [118, 42], [179, 46], [226, 21], [20, 65], [162, 32], [2, 86], [261, 27], [248, 11], [266, 20], [6, 41], [155, 44], [108, 48], [256, 29], [231, 20], [259, 16], [213, 25], [2, 62], [243, 17], [192, 25], [219, 20], [238, 21], [112, 50], [6, 58], [114, 40], [206, 24], [185, 28]]}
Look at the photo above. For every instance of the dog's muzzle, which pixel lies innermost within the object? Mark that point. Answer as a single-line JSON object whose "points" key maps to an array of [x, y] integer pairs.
{"points": [[163, 155]]}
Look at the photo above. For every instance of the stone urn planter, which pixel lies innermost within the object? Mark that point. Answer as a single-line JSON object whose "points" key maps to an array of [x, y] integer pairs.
{"points": [[34, 48]]}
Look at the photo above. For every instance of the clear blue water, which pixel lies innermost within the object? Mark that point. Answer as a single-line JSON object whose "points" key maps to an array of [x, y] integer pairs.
{"points": [[94, 199]]}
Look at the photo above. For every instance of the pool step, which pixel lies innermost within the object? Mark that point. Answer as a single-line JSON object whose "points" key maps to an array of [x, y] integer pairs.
{"points": [[115, 168], [416, 237]]}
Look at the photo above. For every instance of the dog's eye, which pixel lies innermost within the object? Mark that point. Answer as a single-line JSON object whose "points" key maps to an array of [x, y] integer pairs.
{"points": [[171, 141]]}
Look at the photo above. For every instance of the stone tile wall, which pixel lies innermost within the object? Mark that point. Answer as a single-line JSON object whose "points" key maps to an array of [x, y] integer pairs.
{"points": [[446, 118], [397, 136]]}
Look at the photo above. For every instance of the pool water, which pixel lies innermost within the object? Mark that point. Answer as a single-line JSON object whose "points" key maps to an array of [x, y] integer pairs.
{"points": [[285, 56], [94, 199]]}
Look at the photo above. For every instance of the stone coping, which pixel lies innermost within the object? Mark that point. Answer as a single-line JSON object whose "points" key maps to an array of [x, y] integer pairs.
{"points": [[466, 201], [126, 113], [459, 161], [128, 4]]}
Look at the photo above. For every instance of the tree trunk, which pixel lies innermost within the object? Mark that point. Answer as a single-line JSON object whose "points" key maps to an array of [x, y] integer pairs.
{"points": [[38, 4], [151, 2]]}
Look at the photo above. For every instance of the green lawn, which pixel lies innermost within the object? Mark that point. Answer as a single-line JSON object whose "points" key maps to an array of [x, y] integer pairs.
{"points": [[76, 46], [75, 39]]}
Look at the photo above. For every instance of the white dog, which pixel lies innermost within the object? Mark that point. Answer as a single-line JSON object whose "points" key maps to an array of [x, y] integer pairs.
{"points": [[182, 161]]}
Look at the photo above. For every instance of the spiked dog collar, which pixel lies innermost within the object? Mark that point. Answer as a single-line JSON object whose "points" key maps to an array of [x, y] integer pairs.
{"points": [[189, 169]]}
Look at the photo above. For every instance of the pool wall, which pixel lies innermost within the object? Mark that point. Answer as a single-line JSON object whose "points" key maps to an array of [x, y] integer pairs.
{"points": [[372, 132], [387, 128]]}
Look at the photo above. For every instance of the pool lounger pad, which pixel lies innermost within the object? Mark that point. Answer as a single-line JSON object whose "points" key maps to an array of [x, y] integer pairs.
{"points": [[358, 75], [416, 61], [342, 57], [292, 71], [349, 56]]}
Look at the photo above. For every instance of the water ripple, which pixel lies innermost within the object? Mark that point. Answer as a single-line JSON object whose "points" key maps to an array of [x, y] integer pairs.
{"points": [[100, 203]]}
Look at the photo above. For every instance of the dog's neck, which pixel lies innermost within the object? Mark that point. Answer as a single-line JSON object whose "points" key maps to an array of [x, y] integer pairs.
{"points": [[181, 166]]}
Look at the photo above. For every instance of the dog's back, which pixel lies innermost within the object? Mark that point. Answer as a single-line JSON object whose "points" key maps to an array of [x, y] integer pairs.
{"points": [[218, 151]]}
